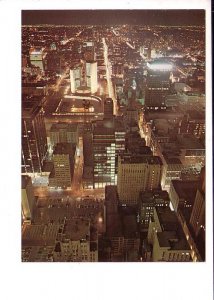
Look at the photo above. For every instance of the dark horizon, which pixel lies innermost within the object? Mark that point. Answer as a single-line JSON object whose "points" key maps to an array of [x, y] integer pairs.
{"points": [[118, 17]]}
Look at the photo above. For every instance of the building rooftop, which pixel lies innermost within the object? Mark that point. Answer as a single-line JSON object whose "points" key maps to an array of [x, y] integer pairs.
{"points": [[35, 235], [64, 126], [130, 229], [77, 229], [173, 161], [172, 240], [186, 189], [189, 141], [31, 108], [153, 196], [172, 234], [64, 148], [140, 159]]}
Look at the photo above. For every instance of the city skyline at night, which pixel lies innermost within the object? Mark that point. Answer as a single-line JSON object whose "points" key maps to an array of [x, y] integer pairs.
{"points": [[113, 136], [107, 161]]}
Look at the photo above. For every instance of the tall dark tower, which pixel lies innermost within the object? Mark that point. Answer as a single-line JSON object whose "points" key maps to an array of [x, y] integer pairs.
{"points": [[108, 108], [157, 85], [34, 139]]}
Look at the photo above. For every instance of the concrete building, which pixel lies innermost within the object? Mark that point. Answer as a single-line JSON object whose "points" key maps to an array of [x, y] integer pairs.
{"points": [[136, 174], [28, 199], [64, 133], [34, 138], [167, 237], [63, 158], [147, 201]]}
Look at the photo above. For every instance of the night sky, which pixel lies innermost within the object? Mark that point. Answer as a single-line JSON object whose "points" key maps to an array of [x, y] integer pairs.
{"points": [[113, 17]]}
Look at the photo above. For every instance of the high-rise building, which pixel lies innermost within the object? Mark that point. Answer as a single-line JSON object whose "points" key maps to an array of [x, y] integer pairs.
{"points": [[157, 84], [136, 174], [108, 108], [83, 77], [108, 143], [167, 237], [63, 158], [34, 139], [91, 76], [28, 199]]}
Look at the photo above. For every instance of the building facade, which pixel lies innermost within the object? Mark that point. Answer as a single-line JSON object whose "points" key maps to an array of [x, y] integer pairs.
{"points": [[34, 138]]}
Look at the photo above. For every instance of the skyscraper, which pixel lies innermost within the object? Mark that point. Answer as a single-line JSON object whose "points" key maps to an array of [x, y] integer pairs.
{"points": [[136, 174], [34, 139], [108, 143], [157, 84], [84, 75], [108, 108]]}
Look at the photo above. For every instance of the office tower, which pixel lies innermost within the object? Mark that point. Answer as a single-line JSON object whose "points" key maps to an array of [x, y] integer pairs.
{"points": [[63, 159], [36, 57], [108, 143], [136, 174], [157, 84], [91, 76], [34, 139], [167, 237], [64, 133], [104, 155], [28, 199], [108, 108]]}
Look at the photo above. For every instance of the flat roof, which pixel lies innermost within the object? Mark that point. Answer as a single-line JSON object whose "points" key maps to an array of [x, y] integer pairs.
{"points": [[186, 189], [64, 148], [77, 229]]}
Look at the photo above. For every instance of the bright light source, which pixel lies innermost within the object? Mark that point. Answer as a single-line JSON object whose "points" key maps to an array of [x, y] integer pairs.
{"points": [[100, 219], [160, 66]]}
